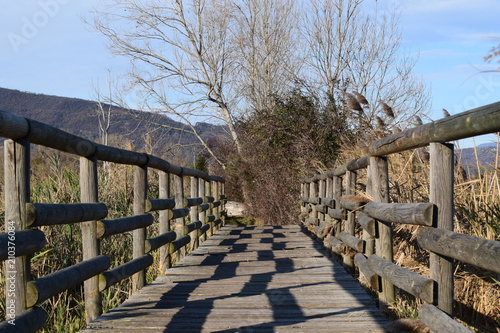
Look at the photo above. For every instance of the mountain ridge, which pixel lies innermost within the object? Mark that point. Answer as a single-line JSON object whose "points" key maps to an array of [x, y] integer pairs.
{"points": [[136, 128]]}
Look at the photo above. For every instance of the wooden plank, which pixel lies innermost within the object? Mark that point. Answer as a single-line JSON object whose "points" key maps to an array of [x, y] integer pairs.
{"points": [[246, 285]]}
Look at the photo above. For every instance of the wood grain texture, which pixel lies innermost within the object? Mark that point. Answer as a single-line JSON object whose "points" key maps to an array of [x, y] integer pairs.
{"points": [[438, 321], [90, 244], [250, 279], [52, 284], [407, 213], [139, 235], [17, 194], [378, 178], [414, 283], [441, 195], [482, 120], [470, 249]]}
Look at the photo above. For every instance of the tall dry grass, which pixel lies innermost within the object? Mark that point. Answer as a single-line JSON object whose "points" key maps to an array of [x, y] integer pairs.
{"points": [[477, 213], [55, 179]]}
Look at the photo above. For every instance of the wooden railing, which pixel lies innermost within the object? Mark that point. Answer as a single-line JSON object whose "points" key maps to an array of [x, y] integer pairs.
{"points": [[22, 238], [360, 227]]}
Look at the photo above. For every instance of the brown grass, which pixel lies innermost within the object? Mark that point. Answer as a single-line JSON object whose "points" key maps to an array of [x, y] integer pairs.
{"points": [[477, 204]]}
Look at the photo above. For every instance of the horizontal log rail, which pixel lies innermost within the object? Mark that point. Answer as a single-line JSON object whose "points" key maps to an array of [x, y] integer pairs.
{"points": [[470, 249], [15, 244], [413, 283], [409, 213], [360, 225], [22, 238], [126, 270], [52, 214], [153, 205], [123, 224], [29, 321], [159, 241], [50, 285]]}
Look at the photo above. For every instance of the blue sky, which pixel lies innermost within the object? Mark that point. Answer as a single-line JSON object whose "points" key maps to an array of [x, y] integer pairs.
{"points": [[46, 48]]}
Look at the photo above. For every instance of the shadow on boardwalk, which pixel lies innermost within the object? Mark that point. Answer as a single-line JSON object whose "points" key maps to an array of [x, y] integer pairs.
{"points": [[250, 279]]}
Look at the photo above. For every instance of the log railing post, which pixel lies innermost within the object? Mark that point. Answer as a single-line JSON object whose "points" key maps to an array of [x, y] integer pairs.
{"points": [[193, 214], [208, 191], [369, 239], [202, 214], [350, 226], [329, 194], [163, 218], [222, 203], [321, 194], [17, 194], [90, 244], [313, 193], [378, 175], [215, 194], [179, 203], [441, 195], [139, 235], [337, 193]]}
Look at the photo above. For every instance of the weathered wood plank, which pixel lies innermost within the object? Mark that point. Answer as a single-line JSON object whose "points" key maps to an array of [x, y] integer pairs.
{"points": [[257, 276]]}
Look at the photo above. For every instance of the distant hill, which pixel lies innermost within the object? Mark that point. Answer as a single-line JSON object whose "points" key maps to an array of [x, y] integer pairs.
{"points": [[80, 117], [486, 155]]}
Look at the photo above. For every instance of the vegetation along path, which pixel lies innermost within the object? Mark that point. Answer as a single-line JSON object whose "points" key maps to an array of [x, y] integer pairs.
{"points": [[250, 279]]}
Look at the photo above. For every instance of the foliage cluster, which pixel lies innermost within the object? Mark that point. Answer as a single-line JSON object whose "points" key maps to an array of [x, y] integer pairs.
{"points": [[281, 144]]}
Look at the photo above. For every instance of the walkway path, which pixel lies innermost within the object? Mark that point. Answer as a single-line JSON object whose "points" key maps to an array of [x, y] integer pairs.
{"points": [[250, 279]]}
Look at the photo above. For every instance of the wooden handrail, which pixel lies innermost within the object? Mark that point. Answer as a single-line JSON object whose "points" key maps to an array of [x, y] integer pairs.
{"points": [[375, 215], [22, 218]]}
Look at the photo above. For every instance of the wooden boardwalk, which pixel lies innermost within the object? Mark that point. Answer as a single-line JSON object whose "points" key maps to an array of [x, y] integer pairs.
{"points": [[250, 279]]}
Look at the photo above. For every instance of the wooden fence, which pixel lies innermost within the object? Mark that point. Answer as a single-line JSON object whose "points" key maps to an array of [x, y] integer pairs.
{"points": [[362, 226], [22, 238]]}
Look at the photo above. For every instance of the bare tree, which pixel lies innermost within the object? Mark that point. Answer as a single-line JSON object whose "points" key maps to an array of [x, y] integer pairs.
{"points": [[104, 108], [358, 52], [180, 56], [265, 38]]}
